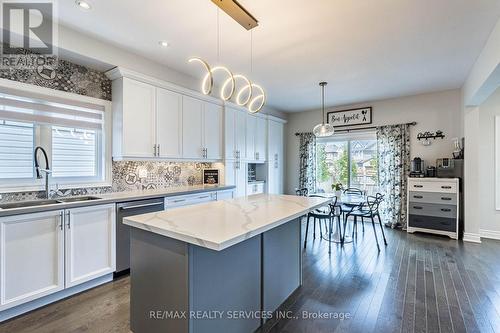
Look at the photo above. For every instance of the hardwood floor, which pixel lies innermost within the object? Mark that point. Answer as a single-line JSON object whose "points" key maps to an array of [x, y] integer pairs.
{"points": [[418, 283]]}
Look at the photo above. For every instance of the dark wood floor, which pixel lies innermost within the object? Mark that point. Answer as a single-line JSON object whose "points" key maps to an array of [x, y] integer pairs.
{"points": [[416, 284]]}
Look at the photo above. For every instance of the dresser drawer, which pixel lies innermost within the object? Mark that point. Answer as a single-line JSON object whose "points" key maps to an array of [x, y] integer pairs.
{"points": [[433, 223], [433, 197], [443, 187], [426, 209]]}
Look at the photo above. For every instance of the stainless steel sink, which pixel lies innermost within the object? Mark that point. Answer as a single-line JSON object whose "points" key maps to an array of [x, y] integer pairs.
{"points": [[36, 203], [23, 204], [78, 199]]}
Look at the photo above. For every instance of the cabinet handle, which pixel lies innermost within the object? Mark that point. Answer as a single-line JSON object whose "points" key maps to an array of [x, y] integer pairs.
{"points": [[179, 200], [69, 220], [61, 217], [445, 210], [417, 207], [158, 150], [154, 150], [418, 197], [204, 197], [445, 198], [418, 186], [206, 152], [446, 187]]}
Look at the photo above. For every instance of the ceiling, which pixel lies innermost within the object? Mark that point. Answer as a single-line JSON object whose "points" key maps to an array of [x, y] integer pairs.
{"points": [[366, 50]]}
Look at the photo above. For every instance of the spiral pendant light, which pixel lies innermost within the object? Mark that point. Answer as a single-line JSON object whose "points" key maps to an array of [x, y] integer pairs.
{"points": [[324, 129]]}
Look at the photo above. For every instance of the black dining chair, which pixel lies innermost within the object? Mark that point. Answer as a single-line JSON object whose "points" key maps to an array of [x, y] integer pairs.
{"points": [[346, 208], [335, 212], [368, 209], [301, 192], [319, 215]]}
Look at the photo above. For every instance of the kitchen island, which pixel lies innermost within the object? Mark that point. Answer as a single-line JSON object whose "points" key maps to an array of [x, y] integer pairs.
{"points": [[219, 266]]}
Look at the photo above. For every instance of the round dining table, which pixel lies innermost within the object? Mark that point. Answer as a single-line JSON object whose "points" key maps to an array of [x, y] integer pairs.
{"points": [[347, 201]]}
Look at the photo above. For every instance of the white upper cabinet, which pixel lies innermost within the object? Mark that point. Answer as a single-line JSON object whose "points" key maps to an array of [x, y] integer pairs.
{"points": [[90, 243], [192, 128], [31, 257], [251, 125], [235, 134], [168, 123], [137, 115], [157, 120], [260, 139], [275, 157], [212, 131]]}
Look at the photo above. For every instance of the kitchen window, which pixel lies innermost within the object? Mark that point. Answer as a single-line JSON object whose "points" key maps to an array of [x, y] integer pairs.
{"points": [[348, 159], [74, 130]]}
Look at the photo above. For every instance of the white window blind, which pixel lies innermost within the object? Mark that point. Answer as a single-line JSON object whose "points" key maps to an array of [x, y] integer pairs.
{"points": [[16, 150], [74, 152], [43, 111]]}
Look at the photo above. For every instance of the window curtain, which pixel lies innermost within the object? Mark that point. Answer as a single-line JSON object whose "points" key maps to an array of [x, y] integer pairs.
{"points": [[393, 143], [307, 155]]}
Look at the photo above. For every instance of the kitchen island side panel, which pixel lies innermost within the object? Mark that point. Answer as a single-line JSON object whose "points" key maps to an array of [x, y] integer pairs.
{"points": [[226, 283], [159, 292], [282, 264]]}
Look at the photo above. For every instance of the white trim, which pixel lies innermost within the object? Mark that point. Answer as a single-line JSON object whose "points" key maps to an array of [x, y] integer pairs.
{"points": [[472, 237], [490, 234], [497, 162]]}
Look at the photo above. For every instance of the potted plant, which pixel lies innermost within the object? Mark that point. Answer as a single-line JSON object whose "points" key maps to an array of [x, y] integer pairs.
{"points": [[337, 188]]}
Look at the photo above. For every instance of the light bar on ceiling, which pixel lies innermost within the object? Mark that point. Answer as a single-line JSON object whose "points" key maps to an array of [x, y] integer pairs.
{"points": [[238, 13]]}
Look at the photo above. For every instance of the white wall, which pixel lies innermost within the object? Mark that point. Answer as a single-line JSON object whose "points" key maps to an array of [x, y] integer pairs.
{"points": [[489, 216], [435, 111]]}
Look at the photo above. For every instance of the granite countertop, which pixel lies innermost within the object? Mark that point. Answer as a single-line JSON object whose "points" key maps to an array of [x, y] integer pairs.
{"points": [[118, 197], [221, 224]]}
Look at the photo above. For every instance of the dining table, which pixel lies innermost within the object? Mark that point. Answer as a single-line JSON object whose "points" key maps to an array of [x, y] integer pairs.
{"points": [[346, 200]]}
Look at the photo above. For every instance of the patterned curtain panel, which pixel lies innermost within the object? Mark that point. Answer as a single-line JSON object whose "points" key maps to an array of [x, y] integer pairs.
{"points": [[394, 167], [307, 155]]}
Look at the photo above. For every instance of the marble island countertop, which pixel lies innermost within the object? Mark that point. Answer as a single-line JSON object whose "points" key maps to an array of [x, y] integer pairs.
{"points": [[219, 225]]}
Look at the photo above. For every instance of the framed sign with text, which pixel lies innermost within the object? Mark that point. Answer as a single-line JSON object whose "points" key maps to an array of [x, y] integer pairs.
{"points": [[211, 177], [351, 117]]}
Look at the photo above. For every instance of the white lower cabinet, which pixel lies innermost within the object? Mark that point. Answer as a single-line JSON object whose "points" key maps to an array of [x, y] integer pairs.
{"points": [[31, 257], [90, 243], [189, 199], [43, 253], [235, 174], [255, 188], [226, 194]]}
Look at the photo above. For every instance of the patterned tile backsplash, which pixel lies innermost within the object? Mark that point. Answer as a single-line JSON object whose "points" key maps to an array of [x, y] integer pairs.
{"points": [[134, 175]]}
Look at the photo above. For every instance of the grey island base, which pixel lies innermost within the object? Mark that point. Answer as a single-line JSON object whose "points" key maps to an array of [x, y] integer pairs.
{"points": [[240, 265]]}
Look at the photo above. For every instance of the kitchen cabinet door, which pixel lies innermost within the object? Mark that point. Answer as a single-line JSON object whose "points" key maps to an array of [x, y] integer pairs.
{"points": [[229, 133], [240, 133], [212, 131], [192, 128], [169, 123], [90, 243], [275, 157], [235, 174], [31, 257], [251, 123], [138, 132], [260, 139]]}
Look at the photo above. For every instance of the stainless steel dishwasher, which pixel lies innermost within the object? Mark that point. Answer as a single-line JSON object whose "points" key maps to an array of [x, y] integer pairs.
{"points": [[123, 210]]}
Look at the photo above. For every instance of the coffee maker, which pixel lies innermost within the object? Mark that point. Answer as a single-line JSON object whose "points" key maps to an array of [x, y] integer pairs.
{"points": [[417, 168]]}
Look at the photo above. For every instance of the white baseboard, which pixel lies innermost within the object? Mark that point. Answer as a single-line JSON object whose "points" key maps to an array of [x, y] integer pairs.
{"points": [[473, 238], [491, 234]]}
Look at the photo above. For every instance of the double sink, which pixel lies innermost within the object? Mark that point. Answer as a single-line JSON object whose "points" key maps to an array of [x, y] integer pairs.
{"points": [[35, 203]]}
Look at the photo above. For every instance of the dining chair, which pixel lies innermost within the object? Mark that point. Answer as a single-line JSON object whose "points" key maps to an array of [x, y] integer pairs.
{"points": [[368, 209], [321, 214], [301, 192], [345, 208]]}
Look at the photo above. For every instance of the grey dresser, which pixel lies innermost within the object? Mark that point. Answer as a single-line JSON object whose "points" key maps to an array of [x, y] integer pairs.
{"points": [[434, 206]]}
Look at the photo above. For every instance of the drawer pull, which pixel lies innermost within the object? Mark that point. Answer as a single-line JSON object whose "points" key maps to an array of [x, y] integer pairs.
{"points": [[204, 197], [179, 200], [418, 185], [418, 197], [417, 207], [445, 210], [446, 187], [445, 198]]}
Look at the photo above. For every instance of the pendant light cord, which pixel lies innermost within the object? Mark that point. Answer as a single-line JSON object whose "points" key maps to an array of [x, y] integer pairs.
{"points": [[218, 36], [323, 103], [251, 51]]}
